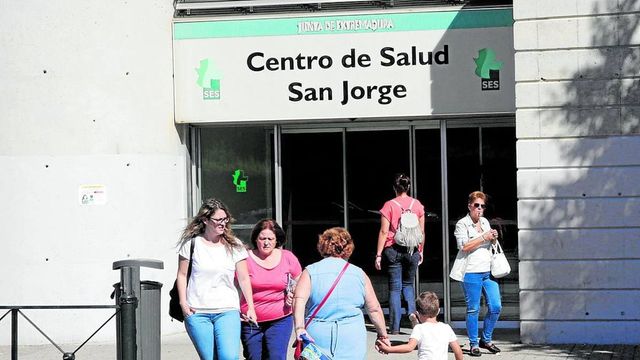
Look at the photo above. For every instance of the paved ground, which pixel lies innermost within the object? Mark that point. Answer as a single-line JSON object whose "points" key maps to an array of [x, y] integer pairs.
{"points": [[178, 347]]}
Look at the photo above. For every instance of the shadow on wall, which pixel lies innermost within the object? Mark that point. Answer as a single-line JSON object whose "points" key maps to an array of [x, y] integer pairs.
{"points": [[582, 209], [598, 126]]}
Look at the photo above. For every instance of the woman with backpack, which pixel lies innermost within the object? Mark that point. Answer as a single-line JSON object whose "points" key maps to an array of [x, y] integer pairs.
{"points": [[400, 245]]}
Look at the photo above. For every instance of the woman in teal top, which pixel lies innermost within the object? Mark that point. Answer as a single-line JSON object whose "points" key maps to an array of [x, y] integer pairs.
{"points": [[338, 327]]}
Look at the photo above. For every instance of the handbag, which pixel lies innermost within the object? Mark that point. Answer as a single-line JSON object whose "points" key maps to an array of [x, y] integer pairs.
{"points": [[300, 346], [499, 264], [311, 351], [175, 310], [459, 266]]}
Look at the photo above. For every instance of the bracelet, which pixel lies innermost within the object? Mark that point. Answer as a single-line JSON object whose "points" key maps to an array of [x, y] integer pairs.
{"points": [[483, 239], [300, 328], [378, 256], [382, 337]]}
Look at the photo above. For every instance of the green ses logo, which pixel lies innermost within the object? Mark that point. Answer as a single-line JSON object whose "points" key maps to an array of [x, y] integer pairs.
{"points": [[208, 80], [240, 180], [488, 69]]}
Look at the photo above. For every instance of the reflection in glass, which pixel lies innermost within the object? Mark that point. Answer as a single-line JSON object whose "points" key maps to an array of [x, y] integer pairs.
{"points": [[237, 168]]}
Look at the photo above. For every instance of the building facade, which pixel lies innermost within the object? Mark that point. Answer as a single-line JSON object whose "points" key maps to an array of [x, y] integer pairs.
{"points": [[304, 113], [577, 123]]}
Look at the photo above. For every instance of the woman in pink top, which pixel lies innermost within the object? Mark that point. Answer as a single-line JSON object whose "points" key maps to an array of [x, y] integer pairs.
{"points": [[273, 273], [401, 262]]}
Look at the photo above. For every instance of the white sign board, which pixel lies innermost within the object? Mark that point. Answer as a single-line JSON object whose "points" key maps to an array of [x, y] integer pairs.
{"points": [[352, 66]]}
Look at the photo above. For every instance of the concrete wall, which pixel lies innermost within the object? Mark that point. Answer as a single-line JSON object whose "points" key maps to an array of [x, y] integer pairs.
{"points": [[578, 130], [86, 97]]}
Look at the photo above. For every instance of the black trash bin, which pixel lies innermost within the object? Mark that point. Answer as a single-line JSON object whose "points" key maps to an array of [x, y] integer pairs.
{"points": [[148, 320]]}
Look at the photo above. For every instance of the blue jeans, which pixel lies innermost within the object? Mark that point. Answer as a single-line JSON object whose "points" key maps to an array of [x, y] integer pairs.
{"points": [[269, 340], [474, 285], [401, 268], [215, 336]]}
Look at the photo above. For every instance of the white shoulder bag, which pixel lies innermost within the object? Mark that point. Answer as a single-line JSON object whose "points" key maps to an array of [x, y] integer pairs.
{"points": [[459, 266], [499, 264]]}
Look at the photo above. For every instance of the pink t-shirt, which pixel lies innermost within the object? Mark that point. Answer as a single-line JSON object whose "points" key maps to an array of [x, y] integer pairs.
{"points": [[392, 212], [269, 285]]}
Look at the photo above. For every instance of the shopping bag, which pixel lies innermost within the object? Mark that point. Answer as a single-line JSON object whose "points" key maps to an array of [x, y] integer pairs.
{"points": [[309, 350], [499, 264]]}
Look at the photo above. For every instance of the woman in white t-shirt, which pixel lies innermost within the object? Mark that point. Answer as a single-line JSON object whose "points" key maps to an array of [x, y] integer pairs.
{"points": [[208, 296], [474, 236]]}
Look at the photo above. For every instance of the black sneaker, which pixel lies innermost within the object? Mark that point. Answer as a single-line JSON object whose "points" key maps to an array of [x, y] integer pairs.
{"points": [[475, 351], [489, 346]]}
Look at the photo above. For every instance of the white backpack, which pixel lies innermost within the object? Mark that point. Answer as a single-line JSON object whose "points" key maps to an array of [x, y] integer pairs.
{"points": [[408, 233]]}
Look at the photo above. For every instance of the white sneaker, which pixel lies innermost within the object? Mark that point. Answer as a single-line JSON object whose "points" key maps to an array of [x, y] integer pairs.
{"points": [[414, 320]]}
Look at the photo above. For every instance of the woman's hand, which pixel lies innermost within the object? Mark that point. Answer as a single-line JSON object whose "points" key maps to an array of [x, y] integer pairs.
{"points": [[301, 330], [288, 300], [490, 236], [382, 345], [382, 239], [251, 316], [494, 235], [378, 262], [186, 310]]}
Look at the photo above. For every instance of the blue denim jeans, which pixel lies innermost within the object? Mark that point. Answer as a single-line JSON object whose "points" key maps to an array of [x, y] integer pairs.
{"points": [[215, 336], [268, 341], [474, 285], [401, 268]]}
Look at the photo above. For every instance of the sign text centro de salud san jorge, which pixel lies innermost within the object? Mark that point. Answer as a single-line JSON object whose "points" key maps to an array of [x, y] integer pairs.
{"points": [[349, 66]]}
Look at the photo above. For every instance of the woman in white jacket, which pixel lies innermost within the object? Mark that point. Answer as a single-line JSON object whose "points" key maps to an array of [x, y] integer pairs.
{"points": [[474, 236]]}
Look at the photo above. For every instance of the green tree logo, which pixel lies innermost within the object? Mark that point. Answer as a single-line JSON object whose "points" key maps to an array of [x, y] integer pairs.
{"points": [[208, 80], [485, 62]]}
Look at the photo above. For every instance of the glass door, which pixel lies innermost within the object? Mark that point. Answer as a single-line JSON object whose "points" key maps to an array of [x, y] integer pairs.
{"points": [[237, 168], [342, 176], [483, 158], [373, 160], [313, 191], [324, 173], [428, 183]]}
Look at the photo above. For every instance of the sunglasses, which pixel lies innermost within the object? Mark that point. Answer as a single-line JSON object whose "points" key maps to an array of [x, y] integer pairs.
{"points": [[478, 205], [223, 220]]}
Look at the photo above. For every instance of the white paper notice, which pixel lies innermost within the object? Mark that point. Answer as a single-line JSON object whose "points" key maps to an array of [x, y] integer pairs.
{"points": [[92, 194]]}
